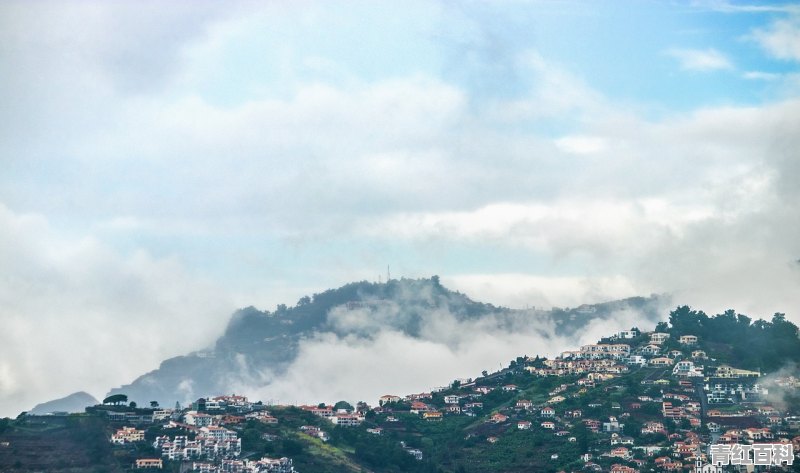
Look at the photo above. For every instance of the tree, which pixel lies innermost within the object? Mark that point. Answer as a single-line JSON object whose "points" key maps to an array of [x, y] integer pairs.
{"points": [[133, 404], [343, 405], [154, 404], [116, 399]]}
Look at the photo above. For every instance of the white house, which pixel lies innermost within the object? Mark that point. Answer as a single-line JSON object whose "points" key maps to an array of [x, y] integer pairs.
{"points": [[658, 337], [198, 419], [686, 368], [388, 399], [637, 360], [627, 334], [651, 350], [452, 399], [348, 420]]}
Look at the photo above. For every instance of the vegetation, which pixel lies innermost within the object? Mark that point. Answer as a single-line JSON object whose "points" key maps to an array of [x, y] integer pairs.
{"points": [[116, 399], [458, 443], [735, 338]]}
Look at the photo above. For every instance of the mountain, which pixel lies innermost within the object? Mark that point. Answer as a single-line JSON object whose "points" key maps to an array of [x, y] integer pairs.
{"points": [[259, 346], [632, 402], [75, 402]]}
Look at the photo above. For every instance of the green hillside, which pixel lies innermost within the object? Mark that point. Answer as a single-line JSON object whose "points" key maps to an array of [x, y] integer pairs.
{"points": [[533, 415]]}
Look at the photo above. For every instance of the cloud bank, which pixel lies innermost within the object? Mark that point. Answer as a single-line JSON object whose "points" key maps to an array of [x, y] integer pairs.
{"points": [[368, 354], [163, 165], [77, 315]]}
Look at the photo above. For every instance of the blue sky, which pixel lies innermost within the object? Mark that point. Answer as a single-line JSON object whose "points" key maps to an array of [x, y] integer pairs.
{"points": [[165, 164]]}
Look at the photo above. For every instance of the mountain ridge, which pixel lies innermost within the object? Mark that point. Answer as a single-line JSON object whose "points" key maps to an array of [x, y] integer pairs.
{"points": [[255, 341], [75, 402]]}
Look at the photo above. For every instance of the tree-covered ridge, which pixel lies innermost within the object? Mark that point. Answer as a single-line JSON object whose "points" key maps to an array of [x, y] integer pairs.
{"points": [[755, 345], [270, 340], [250, 325]]}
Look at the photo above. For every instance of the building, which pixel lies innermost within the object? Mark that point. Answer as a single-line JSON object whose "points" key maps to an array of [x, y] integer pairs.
{"points": [[658, 337], [347, 420], [388, 399], [661, 361], [452, 399], [601, 350], [415, 452], [612, 425], [686, 368], [198, 419], [127, 435], [418, 407], [637, 360], [621, 452], [524, 404], [725, 371], [272, 465], [699, 355], [162, 414], [142, 463], [687, 340], [652, 427], [651, 350]]}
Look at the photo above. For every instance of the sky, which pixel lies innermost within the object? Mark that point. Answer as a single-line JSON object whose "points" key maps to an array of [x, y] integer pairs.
{"points": [[164, 163]]}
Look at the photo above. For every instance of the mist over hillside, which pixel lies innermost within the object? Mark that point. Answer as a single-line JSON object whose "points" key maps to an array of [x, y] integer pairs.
{"points": [[408, 334]]}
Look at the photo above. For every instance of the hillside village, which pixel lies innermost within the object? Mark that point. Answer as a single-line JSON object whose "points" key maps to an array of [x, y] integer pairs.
{"points": [[632, 402]]}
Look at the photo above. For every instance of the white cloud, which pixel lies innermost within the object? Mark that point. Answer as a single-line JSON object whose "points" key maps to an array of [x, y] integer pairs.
{"points": [[782, 38], [760, 75], [702, 60], [112, 126], [728, 7], [78, 316], [331, 367], [580, 144], [522, 290]]}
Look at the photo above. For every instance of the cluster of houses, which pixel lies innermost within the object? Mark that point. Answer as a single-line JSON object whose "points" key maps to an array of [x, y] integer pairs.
{"points": [[340, 417], [686, 379], [208, 447], [211, 442], [264, 465], [683, 392], [127, 435]]}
